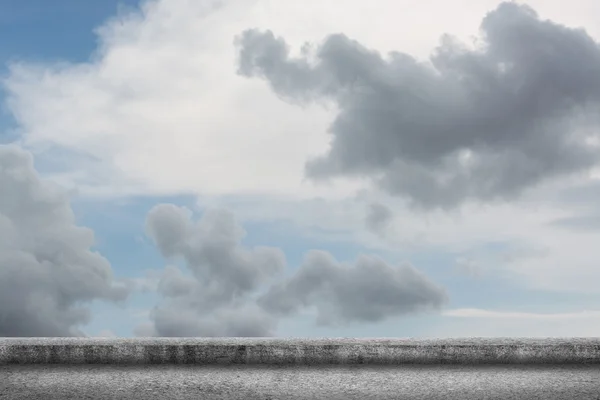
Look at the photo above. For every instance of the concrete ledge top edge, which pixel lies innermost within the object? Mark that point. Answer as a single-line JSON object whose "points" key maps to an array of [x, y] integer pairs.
{"points": [[298, 351], [271, 341]]}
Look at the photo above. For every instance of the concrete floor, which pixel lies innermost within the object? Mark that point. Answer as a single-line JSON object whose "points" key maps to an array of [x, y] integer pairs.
{"points": [[408, 382]]}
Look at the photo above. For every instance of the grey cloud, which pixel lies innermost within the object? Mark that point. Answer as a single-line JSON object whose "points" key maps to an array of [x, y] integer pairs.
{"points": [[212, 251], [225, 294], [174, 284], [369, 291], [514, 103], [179, 319], [168, 225], [216, 299], [378, 218], [47, 267]]}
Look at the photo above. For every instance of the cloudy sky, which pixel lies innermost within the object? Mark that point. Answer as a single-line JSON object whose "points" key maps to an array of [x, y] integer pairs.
{"points": [[324, 168]]}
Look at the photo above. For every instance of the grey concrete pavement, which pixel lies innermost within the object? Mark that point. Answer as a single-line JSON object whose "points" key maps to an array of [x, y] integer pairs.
{"points": [[268, 382]]}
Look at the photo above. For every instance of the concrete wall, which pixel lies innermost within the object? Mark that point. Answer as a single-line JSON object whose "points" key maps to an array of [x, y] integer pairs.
{"points": [[206, 351]]}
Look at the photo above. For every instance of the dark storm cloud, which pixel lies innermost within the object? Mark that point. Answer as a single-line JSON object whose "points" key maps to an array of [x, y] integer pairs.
{"points": [[378, 218], [219, 298], [513, 103], [46, 266]]}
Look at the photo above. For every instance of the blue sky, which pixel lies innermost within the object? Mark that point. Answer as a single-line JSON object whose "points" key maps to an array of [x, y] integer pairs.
{"points": [[64, 31], [185, 151], [34, 31]]}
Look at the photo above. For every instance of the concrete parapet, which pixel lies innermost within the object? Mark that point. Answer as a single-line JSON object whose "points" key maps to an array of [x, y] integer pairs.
{"points": [[295, 351]]}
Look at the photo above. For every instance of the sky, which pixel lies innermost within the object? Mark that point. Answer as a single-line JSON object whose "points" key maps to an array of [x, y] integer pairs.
{"points": [[271, 168]]}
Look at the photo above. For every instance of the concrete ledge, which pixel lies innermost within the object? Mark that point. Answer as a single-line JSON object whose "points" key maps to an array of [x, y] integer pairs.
{"points": [[275, 351]]}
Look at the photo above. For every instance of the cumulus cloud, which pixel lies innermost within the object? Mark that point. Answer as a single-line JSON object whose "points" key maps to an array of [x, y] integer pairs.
{"points": [[236, 291], [150, 111], [214, 301], [369, 291], [212, 252], [47, 267], [481, 124]]}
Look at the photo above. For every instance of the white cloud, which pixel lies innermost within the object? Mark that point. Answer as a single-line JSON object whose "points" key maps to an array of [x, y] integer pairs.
{"points": [[160, 110]]}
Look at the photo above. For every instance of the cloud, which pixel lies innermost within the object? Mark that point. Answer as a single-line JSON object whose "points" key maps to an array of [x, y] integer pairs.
{"points": [[211, 250], [378, 218], [481, 124], [369, 291], [150, 111], [222, 296], [214, 301], [47, 267]]}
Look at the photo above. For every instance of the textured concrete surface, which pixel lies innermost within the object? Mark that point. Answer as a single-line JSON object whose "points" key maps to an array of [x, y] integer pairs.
{"points": [[271, 351], [237, 382]]}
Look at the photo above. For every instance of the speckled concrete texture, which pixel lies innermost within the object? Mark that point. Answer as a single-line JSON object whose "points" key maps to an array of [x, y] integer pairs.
{"points": [[271, 351], [320, 382]]}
